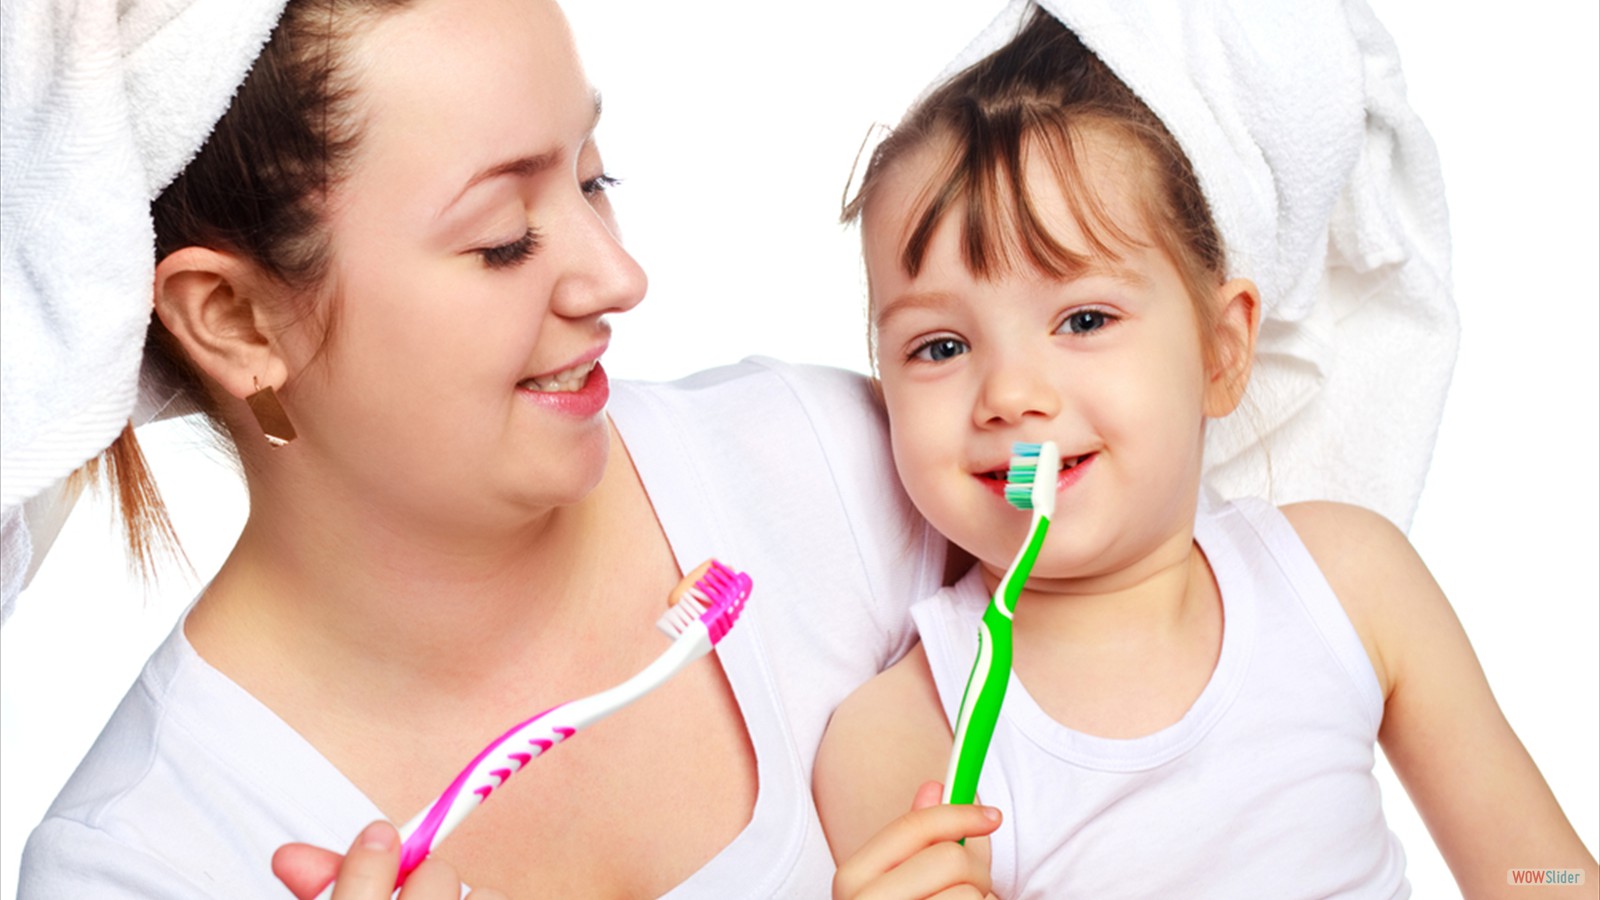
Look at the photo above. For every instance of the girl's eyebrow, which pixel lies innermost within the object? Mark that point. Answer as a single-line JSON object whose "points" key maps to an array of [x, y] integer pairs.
{"points": [[524, 166], [909, 302]]}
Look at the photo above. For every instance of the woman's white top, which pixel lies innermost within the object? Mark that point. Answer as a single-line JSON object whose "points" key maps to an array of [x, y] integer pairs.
{"points": [[782, 470], [1263, 789]]}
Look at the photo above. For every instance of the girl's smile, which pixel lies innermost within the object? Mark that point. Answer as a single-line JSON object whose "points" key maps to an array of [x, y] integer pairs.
{"points": [[1073, 469], [1107, 361]]}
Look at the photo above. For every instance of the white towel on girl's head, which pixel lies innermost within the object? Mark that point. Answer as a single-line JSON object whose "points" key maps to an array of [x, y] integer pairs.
{"points": [[1326, 189], [102, 103]]}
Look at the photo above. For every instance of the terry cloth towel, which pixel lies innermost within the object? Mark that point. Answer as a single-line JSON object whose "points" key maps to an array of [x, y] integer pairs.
{"points": [[1326, 189], [102, 104]]}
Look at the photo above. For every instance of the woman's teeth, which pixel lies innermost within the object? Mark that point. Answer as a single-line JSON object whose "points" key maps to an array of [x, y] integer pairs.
{"points": [[561, 382]]}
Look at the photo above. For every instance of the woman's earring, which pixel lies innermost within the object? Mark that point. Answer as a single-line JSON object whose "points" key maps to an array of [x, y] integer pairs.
{"points": [[269, 414]]}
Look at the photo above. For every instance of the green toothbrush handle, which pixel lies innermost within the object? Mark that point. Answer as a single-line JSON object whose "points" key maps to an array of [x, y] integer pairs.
{"points": [[991, 673], [980, 703]]}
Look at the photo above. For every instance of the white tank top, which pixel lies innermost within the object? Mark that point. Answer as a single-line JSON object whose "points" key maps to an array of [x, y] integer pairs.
{"points": [[1263, 789]]}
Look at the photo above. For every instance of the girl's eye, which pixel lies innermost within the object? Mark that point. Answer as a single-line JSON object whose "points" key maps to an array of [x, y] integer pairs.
{"points": [[507, 255], [939, 349], [1085, 320], [599, 184]]}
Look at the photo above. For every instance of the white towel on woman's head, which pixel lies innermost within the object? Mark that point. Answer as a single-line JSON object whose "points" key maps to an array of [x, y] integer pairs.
{"points": [[1326, 189], [102, 103]]}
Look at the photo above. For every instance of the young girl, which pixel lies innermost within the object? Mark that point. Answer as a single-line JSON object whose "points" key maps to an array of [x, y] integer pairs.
{"points": [[1198, 684], [388, 276]]}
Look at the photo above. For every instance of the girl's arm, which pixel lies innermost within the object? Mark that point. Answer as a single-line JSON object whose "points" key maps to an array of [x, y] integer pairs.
{"points": [[884, 746], [1477, 790]]}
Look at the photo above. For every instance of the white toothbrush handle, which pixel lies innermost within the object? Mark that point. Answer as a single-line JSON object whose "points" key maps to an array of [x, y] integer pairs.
{"points": [[534, 737]]}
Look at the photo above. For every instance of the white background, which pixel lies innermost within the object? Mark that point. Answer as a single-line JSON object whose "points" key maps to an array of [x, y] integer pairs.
{"points": [[735, 137]]}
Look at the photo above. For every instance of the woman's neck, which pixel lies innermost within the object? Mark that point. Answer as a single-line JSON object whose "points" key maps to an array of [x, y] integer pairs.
{"points": [[324, 589]]}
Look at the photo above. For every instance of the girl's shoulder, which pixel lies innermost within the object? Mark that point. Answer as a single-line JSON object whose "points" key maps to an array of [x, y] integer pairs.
{"points": [[1378, 577]]}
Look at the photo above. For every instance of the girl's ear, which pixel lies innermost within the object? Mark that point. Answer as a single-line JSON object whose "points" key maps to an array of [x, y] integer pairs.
{"points": [[1239, 303], [213, 302]]}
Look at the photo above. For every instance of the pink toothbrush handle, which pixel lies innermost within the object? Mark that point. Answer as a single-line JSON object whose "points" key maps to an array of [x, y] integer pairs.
{"points": [[490, 769]]}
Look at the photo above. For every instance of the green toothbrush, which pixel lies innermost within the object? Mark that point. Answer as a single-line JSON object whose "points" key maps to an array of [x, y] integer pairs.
{"points": [[1030, 484]]}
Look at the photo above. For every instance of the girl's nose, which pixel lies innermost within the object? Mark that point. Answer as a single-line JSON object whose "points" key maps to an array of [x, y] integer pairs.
{"points": [[600, 277], [1013, 391]]}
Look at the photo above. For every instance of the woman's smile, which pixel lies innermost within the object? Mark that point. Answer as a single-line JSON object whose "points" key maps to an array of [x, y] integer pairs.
{"points": [[580, 392]]}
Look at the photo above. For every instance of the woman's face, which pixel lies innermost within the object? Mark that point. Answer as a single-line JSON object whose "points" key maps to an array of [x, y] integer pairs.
{"points": [[475, 255]]}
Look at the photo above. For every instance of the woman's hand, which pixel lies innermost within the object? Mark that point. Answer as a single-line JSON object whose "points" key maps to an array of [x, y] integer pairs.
{"points": [[917, 855], [367, 871]]}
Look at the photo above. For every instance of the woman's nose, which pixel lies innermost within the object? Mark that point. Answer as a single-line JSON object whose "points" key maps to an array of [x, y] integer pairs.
{"points": [[1014, 390], [601, 276]]}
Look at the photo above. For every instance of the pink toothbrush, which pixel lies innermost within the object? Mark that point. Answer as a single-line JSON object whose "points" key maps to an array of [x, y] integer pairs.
{"points": [[712, 598]]}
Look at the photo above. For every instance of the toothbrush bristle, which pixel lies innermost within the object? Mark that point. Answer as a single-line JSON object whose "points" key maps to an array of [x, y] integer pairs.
{"points": [[1023, 472], [716, 599], [1026, 488]]}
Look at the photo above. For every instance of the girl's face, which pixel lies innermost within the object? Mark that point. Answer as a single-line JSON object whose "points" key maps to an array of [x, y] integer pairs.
{"points": [[1107, 364], [475, 253]]}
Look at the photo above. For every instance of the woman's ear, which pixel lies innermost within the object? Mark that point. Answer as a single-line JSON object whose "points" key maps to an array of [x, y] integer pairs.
{"points": [[213, 303], [1239, 303]]}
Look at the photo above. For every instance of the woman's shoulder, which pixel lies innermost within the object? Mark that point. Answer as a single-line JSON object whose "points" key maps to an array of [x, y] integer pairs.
{"points": [[766, 388]]}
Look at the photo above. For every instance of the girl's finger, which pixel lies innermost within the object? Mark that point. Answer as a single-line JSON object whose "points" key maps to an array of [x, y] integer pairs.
{"points": [[909, 835], [943, 869], [923, 828], [927, 795], [963, 892]]}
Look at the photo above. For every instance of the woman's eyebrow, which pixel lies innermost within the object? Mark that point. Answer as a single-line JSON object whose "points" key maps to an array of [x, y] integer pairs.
{"points": [[524, 166]]}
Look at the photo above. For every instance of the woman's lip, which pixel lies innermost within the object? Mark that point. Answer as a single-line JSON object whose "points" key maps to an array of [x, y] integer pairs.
{"points": [[1064, 479], [583, 403], [593, 354]]}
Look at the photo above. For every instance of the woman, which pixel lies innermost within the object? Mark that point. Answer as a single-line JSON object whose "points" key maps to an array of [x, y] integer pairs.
{"points": [[460, 530]]}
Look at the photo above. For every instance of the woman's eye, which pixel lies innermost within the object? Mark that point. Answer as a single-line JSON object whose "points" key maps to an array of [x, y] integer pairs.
{"points": [[599, 184], [939, 349], [1085, 320], [505, 256]]}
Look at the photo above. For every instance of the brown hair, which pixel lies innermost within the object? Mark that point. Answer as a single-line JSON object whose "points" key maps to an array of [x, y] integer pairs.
{"points": [[1043, 91], [257, 189]]}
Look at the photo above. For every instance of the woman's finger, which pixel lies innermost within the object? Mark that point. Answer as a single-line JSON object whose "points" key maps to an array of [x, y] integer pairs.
{"points": [[370, 867], [305, 870], [435, 879]]}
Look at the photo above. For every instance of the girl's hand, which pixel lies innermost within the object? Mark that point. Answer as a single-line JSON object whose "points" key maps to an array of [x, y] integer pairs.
{"points": [[367, 871], [917, 856]]}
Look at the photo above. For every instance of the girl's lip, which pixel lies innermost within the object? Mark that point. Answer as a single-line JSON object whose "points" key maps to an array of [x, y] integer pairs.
{"points": [[1064, 479], [583, 403]]}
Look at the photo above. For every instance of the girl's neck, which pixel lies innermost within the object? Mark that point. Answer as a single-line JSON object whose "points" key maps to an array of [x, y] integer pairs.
{"points": [[1153, 596]]}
